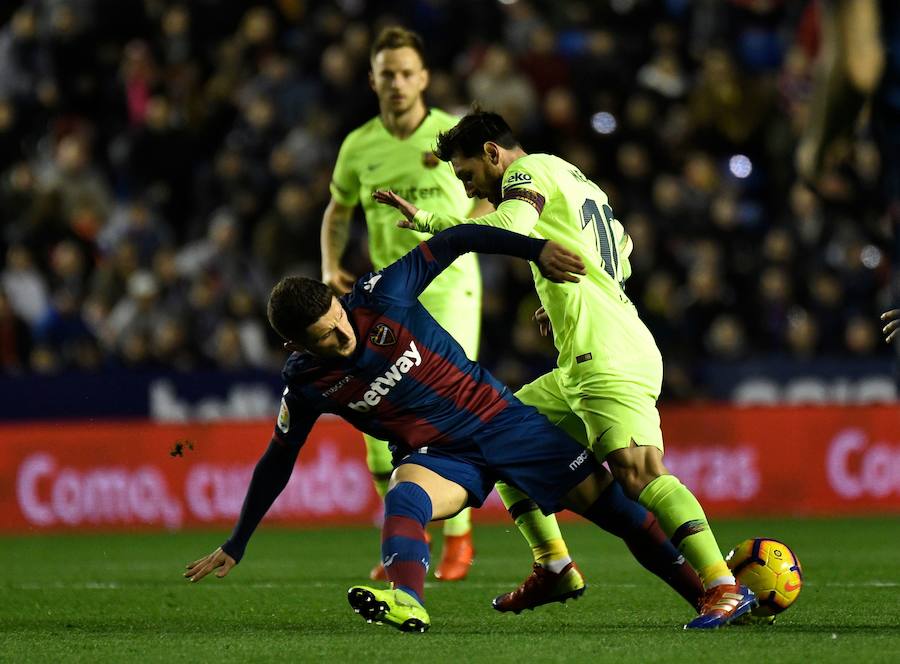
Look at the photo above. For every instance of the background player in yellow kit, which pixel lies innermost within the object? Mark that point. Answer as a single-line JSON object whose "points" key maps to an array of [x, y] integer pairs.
{"points": [[395, 150], [609, 373]]}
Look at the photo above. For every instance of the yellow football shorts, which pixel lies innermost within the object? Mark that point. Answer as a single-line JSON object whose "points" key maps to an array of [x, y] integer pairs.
{"points": [[601, 416]]}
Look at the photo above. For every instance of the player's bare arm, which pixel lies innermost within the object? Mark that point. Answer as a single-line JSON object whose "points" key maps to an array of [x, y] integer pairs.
{"points": [[851, 65], [512, 216], [556, 263], [335, 232], [270, 477], [407, 209], [892, 328], [217, 560]]}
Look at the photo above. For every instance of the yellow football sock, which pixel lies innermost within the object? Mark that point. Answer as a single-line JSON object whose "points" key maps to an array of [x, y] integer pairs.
{"points": [[378, 459], [552, 554], [381, 483], [541, 532], [682, 518], [459, 524]]}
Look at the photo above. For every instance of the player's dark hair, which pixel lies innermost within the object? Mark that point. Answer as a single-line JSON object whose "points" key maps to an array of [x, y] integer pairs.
{"points": [[396, 37], [468, 137], [296, 303]]}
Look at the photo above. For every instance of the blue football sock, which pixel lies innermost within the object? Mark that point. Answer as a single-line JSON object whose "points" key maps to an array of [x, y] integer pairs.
{"points": [[404, 549], [618, 514]]}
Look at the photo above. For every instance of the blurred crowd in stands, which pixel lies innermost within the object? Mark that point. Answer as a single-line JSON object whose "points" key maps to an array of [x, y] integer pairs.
{"points": [[163, 163]]}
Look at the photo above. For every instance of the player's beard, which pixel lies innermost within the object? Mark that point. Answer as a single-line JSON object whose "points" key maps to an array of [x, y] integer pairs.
{"points": [[495, 196], [400, 106]]}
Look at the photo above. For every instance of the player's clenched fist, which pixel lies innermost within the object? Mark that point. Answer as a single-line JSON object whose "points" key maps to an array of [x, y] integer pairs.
{"points": [[892, 329], [216, 560]]}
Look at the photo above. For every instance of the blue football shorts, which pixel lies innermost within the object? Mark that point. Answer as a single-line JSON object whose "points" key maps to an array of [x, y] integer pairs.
{"points": [[518, 446]]}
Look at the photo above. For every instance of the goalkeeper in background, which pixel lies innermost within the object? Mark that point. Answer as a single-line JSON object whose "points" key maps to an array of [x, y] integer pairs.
{"points": [[394, 151]]}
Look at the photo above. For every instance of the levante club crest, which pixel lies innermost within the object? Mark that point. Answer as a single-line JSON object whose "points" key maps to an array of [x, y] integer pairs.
{"points": [[382, 335], [430, 160]]}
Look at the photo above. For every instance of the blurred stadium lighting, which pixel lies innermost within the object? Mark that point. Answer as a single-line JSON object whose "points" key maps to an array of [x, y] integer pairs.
{"points": [[870, 256], [603, 122], [740, 166], [622, 6]]}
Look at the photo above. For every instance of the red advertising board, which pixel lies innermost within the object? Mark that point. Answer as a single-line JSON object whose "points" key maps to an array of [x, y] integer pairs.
{"points": [[112, 475], [761, 461], [809, 461]]}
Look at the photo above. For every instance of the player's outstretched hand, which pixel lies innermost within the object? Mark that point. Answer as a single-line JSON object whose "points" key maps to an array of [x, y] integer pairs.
{"points": [[218, 559], [338, 280], [892, 330], [558, 264], [406, 208], [543, 321]]}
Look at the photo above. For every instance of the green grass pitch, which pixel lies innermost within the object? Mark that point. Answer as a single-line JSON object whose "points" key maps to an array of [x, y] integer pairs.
{"points": [[119, 598]]}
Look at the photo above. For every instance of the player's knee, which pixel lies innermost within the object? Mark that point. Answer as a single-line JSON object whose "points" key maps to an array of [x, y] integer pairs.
{"points": [[635, 467], [585, 494], [603, 478], [632, 483], [616, 513], [410, 500]]}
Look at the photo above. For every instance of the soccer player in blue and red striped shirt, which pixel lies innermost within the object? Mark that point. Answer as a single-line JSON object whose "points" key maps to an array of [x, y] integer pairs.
{"points": [[377, 358]]}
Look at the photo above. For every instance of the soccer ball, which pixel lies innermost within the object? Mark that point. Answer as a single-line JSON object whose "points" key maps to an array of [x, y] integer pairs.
{"points": [[771, 570]]}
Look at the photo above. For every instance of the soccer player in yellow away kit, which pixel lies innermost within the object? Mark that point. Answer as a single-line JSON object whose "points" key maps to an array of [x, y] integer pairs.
{"points": [[609, 374], [395, 150]]}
